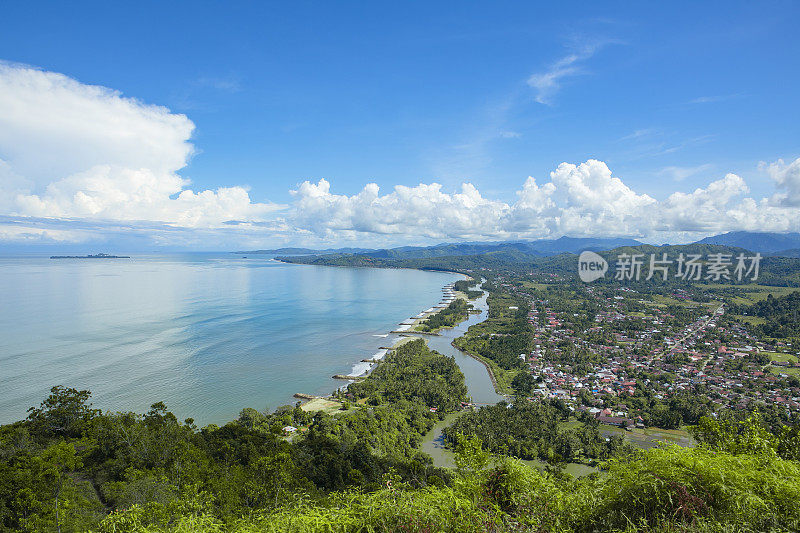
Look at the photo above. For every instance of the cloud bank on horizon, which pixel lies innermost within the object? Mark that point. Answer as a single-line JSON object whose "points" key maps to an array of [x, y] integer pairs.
{"points": [[81, 163]]}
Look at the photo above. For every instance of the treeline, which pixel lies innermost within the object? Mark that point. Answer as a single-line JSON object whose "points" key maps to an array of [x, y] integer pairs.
{"points": [[68, 465], [534, 430], [448, 317], [774, 271], [713, 487], [781, 315], [464, 285], [502, 337]]}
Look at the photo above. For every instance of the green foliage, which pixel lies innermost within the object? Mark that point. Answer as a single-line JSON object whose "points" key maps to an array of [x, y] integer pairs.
{"points": [[532, 430], [66, 412], [524, 382], [448, 317], [504, 336], [782, 315], [464, 285], [670, 489], [749, 436], [414, 372]]}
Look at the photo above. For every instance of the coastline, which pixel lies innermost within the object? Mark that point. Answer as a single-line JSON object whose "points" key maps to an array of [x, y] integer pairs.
{"points": [[380, 267], [405, 334]]}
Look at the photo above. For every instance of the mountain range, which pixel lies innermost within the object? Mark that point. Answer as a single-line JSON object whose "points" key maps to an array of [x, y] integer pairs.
{"points": [[539, 248], [780, 244], [776, 244]]}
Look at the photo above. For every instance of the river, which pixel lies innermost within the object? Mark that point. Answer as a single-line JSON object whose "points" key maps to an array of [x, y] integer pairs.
{"points": [[480, 388]]}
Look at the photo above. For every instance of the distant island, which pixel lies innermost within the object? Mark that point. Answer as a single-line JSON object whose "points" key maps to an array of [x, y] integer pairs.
{"points": [[97, 256]]}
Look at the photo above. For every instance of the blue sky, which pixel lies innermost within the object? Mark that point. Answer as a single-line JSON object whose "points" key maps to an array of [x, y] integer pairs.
{"points": [[670, 98]]}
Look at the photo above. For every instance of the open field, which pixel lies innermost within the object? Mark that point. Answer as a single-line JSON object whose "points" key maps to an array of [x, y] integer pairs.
{"points": [[752, 320], [536, 286], [651, 437], [788, 371], [752, 293], [774, 356], [321, 404]]}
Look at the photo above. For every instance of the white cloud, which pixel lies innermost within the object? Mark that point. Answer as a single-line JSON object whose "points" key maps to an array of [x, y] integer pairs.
{"points": [[83, 163], [579, 200], [423, 211], [548, 83], [681, 173], [82, 151], [787, 181]]}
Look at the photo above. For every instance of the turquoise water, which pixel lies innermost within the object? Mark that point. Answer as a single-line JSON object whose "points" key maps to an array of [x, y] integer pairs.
{"points": [[208, 334]]}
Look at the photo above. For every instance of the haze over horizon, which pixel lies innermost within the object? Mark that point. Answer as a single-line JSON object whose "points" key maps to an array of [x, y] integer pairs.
{"points": [[324, 126]]}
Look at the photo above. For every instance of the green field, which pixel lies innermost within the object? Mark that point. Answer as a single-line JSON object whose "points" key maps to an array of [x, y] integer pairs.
{"points": [[774, 356], [752, 320], [787, 371], [752, 293], [321, 404], [535, 286], [651, 437]]}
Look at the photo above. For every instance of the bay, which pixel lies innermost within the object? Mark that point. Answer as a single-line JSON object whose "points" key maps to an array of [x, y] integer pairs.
{"points": [[208, 334]]}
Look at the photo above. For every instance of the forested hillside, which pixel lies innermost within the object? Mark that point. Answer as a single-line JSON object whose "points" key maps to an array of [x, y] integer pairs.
{"points": [[774, 271], [68, 465], [781, 315]]}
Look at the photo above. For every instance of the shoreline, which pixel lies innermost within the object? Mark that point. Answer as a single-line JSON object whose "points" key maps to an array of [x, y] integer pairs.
{"points": [[380, 267], [404, 332]]}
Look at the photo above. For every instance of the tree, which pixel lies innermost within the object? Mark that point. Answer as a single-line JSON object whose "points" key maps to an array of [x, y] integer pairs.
{"points": [[66, 412], [524, 382]]}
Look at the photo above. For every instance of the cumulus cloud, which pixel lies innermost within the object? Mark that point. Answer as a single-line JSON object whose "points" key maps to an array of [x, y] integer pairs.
{"points": [[787, 181], [74, 150], [423, 210], [82, 163], [579, 200]]}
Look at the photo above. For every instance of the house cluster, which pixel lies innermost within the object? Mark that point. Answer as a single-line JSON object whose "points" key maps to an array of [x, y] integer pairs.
{"points": [[583, 365]]}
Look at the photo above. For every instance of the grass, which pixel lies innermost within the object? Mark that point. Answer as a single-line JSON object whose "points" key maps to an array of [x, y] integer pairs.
{"points": [[752, 293], [788, 371], [321, 404], [667, 300], [775, 356], [651, 437], [535, 286], [502, 376], [752, 320]]}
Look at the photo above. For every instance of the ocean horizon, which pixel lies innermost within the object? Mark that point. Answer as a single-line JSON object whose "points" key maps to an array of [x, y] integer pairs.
{"points": [[207, 333]]}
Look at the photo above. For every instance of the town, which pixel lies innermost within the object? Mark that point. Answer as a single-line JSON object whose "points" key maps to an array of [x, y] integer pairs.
{"points": [[603, 348]]}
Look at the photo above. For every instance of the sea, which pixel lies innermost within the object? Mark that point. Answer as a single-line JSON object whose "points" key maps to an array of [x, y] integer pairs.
{"points": [[206, 333]]}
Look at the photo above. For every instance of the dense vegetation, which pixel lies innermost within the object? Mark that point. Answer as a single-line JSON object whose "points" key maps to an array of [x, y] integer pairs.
{"points": [[68, 465], [534, 430], [413, 372], [781, 315], [669, 489], [464, 285], [501, 338], [448, 317]]}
